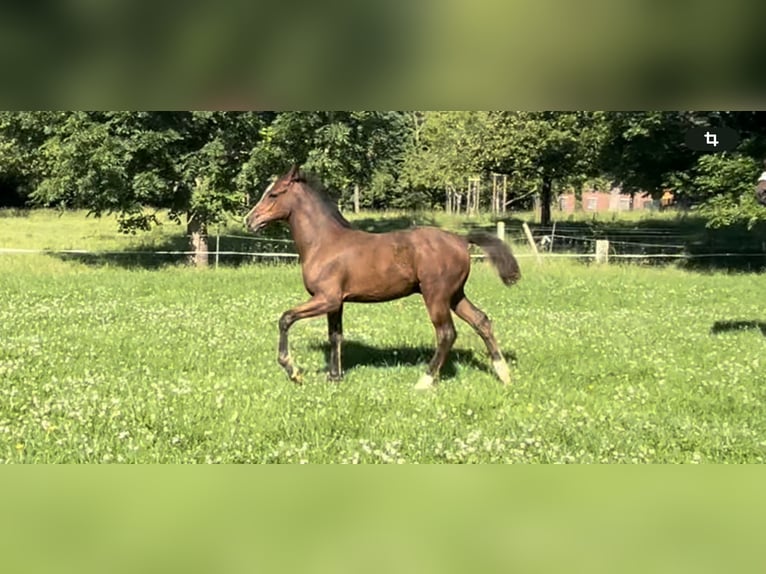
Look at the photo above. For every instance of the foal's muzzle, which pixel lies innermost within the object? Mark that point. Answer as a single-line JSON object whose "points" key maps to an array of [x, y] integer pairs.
{"points": [[256, 226]]}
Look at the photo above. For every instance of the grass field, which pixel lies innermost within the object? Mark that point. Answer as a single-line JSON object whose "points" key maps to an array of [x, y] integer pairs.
{"points": [[116, 363]]}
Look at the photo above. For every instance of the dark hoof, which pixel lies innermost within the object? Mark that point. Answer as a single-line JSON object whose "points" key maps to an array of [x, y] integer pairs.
{"points": [[334, 377]]}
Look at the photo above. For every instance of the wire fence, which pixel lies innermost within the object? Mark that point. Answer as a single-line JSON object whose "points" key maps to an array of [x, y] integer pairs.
{"points": [[265, 248], [638, 244], [550, 242], [258, 254]]}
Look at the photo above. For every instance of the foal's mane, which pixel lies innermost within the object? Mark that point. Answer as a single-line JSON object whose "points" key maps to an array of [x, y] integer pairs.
{"points": [[314, 186]]}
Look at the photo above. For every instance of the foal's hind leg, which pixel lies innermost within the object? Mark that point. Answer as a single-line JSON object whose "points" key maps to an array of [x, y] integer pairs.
{"points": [[441, 317], [476, 318]]}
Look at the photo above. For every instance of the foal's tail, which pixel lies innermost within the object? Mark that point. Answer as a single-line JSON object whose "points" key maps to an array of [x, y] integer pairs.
{"points": [[499, 254]]}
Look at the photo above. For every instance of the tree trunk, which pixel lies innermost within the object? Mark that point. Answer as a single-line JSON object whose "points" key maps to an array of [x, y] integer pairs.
{"points": [[356, 198], [478, 196], [468, 199], [197, 231], [546, 196], [545, 201]]}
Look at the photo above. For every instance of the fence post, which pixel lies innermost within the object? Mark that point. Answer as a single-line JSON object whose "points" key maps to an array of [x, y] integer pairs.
{"points": [[501, 230], [602, 251], [531, 240]]}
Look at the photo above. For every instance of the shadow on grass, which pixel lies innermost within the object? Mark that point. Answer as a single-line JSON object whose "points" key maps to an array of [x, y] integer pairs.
{"points": [[141, 255], [728, 326], [355, 354]]}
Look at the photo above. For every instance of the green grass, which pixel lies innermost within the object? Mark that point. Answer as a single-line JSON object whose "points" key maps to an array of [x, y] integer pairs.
{"points": [[103, 363]]}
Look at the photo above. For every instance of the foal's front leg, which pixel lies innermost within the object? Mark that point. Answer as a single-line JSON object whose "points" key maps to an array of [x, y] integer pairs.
{"points": [[317, 305], [335, 335]]}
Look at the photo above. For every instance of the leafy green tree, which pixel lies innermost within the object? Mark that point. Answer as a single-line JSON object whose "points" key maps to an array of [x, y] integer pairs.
{"points": [[725, 186], [21, 136], [544, 148], [444, 150], [346, 149], [644, 148], [196, 165], [122, 162], [726, 182], [646, 151]]}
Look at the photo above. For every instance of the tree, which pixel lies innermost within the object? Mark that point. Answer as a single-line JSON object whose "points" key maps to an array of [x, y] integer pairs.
{"points": [[345, 149], [122, 162], [644, 149], [444, 150], [21, 136], [542, 148], [646, 152]]}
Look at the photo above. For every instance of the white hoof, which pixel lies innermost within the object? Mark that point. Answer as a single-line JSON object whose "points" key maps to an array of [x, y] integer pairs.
{"points": [[425, 383], [501, 368]]}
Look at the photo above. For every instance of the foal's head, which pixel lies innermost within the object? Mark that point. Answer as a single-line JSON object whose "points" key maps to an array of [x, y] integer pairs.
{"points": [[276, 203]]}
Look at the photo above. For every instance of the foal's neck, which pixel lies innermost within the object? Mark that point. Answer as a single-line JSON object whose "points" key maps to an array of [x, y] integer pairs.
{"points": [[312, 224]]}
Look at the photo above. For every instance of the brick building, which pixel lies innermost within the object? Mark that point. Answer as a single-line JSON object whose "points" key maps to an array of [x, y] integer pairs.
{"points": [[613, 200]]}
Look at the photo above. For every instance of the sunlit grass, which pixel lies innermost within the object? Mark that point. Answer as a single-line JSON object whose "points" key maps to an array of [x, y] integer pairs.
{"points": [[113, 363], [53, 229]]}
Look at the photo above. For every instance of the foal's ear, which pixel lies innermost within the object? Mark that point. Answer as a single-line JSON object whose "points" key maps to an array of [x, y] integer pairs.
{"points": [[294, 172]]}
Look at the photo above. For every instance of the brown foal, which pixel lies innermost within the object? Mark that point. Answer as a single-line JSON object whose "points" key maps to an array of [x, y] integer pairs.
{"points": [[341, 264]]}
